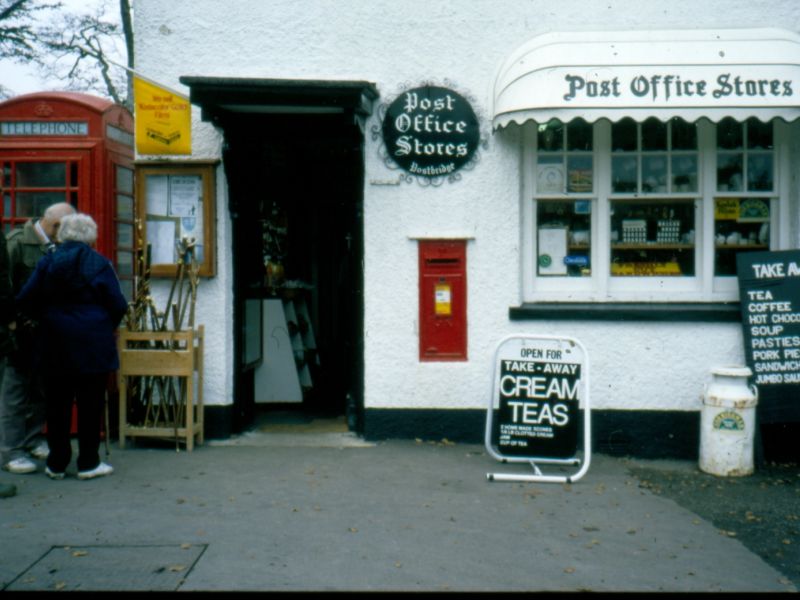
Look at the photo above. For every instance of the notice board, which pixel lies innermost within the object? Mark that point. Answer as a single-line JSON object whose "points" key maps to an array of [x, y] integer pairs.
{"points": [[769, 288]]}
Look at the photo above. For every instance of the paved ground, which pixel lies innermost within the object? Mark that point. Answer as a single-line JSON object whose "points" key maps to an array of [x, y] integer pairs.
{"points": [[272, 512]]}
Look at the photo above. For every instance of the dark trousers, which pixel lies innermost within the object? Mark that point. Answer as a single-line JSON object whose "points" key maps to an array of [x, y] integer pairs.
{"points": [[88, 390]]}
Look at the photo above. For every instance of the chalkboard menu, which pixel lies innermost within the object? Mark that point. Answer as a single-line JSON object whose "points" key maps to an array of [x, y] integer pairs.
{"points": [[538, 388], [769, 287]]}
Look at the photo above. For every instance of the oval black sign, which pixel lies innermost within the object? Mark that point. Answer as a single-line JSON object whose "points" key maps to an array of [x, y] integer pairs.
{"points": [[431, 131]]}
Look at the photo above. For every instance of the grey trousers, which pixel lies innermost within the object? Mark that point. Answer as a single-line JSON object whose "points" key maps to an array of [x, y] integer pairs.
{"points": [[22, 412]]}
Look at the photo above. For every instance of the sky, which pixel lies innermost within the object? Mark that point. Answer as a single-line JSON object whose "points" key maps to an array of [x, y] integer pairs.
{"points": [[24, 79]]}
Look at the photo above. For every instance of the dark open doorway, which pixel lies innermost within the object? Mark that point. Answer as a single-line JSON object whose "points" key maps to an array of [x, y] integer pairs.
{"points": [[295, 185], [293, 159]]}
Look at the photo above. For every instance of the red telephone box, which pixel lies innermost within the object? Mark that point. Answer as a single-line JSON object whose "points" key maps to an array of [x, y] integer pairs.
{"points": [[76, 148]]}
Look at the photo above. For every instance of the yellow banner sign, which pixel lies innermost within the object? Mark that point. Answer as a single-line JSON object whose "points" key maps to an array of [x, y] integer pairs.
{"points": [[163, 120]]}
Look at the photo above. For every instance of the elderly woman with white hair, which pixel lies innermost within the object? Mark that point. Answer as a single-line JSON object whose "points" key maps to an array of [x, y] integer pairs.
{"points": [[75, 295]]}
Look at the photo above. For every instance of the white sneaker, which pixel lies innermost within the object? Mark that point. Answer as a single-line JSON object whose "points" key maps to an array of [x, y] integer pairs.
{"points": [[99, 471], [41, 452], [20, 465], [53, 474]]}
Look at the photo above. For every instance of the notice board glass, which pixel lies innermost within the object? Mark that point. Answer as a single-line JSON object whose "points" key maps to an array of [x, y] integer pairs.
{"points": [[176, 201]]}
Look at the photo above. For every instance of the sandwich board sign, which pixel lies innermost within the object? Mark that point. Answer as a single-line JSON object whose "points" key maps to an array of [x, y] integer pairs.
{"points": [[539, 400]]}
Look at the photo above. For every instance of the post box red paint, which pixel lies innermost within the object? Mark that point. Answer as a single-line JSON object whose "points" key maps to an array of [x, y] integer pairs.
{"points": [[442, 300]]}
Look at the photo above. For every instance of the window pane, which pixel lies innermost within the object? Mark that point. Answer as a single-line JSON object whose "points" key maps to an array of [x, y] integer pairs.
{"points": [[550, 174], [33, 204], [740, 225], [623, 136], [563, 238], [124, 263], [652, 238], [41, 174], [684, 173], [124, 180], [124, 207], [124, 235], [759, 172], [729, 134], [6, 205], [551, 136], [684, 135], [654, 135], [729, 172], [654, 173], [579, 174], [579, 136], [759, 135], [623, 174]]}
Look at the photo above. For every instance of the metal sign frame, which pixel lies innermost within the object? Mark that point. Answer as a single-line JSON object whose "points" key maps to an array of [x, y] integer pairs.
{"points": [[528, 353]]}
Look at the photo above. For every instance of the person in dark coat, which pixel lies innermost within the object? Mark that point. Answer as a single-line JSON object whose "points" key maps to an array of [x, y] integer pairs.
{"points": [[75, 295], [6, 315]]}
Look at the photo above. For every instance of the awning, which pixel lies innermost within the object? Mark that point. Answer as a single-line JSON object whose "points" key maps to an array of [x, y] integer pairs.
{"points": [[691, 74]]}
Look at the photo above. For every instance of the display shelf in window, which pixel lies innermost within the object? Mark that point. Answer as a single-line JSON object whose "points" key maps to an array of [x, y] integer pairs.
{"points": [[652, 237], [740, 225], [564, 238]]}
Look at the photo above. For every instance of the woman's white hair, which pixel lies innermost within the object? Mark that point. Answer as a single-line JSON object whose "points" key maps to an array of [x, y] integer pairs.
{"points": [[77, 227]]}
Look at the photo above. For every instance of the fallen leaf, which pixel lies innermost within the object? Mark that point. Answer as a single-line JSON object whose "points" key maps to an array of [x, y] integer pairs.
{"points": [[80, 553], [185, 546], [398, 564], [61, 585], [177, 568], [786, 541], [353, 530], [631, 531], [569, 570]]}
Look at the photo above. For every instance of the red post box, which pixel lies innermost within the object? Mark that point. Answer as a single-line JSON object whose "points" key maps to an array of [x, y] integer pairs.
{"points": [[442, 300]]}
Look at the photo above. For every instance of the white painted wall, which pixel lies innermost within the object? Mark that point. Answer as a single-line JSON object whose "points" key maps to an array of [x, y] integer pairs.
{"points": [[409, 42]]}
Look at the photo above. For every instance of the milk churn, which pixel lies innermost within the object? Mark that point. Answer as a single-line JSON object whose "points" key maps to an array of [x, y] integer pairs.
{"points": [[728, 422]]}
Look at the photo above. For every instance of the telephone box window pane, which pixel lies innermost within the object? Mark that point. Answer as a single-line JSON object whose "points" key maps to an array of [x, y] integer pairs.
{"points": [[579, 136], [124, 180], [654, 135], [41, 174], [124, 235], [125, 207], [33, 204], [759, 135], [684, 135], [729, 134], [624, 136], [684, 173], [551, 136], [73, 174], [624, 174], [127, 288], [6, 205], [729, 172], [564, 238], [124, 263]]}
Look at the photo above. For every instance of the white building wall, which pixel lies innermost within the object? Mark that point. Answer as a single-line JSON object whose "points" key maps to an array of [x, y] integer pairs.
{"points": [[393, 43]]}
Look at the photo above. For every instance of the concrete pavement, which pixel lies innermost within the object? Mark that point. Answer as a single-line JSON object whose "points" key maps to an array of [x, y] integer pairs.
{"points": [[283, 512]]}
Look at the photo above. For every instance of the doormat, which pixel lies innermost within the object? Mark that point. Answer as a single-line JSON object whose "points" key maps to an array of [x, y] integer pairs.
{"points": [[110, 568]]}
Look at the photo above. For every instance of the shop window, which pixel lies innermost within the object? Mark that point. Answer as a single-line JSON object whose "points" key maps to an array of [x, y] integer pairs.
{"points": [[661, 210], [177, 201], [654, 157]]}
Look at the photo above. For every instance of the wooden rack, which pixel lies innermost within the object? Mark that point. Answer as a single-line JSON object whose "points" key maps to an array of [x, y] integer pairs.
{"points": [[164, 356]]}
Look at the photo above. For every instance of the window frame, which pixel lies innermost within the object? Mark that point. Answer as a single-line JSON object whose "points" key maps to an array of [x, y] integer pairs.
{"points": [[600, 286]]}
